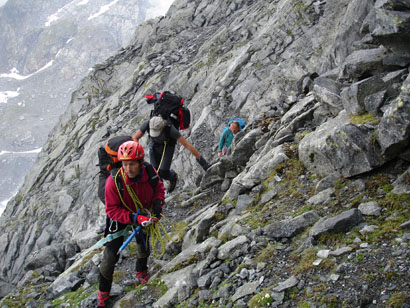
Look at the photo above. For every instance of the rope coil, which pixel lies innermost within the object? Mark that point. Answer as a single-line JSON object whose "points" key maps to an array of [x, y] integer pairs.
{"points": [[155, 232], [158, 234]]}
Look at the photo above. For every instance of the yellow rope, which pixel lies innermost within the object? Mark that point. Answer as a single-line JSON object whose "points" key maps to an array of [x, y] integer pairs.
{"points": [[158, 235], [163, 154], [131, 192], [119, 192], [156, 230]]}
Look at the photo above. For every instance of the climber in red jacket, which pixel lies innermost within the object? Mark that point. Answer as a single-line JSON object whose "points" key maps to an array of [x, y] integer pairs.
{"points": [[132, 197]]}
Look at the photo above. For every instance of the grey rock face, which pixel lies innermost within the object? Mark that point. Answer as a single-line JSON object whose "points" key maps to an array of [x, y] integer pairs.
{"points": [[390, 25], [395, 118]]}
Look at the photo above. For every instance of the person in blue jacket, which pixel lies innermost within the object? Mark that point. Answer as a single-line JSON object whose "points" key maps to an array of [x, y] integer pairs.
{"points": [[227, 136]]}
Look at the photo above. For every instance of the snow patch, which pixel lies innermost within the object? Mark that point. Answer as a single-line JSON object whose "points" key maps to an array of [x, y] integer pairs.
{"points": [[103, 9], [83, 2], [56, 16], [4, 96], [3, 205], [14, 73], [35, 151]]}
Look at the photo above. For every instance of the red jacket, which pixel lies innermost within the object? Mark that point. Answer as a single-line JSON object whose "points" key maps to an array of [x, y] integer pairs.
{"points": [[146, 195]]}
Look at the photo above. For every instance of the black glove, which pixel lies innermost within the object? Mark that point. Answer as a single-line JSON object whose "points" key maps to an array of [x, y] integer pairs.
{"points": [[203, 163], [157, 208]]}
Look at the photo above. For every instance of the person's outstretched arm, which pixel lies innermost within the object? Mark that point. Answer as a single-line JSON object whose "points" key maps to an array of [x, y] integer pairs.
{"points": [[138, 135], [189, 146], [204, 164], [141, 131]]}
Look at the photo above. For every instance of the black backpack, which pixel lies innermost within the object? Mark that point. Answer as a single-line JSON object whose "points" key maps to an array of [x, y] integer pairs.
{"points": [[107, 155], [171, 107], [109, 164]]}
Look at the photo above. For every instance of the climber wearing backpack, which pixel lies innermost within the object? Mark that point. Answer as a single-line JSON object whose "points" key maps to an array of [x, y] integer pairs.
{"points": [[108, 161], [131, 201], [229, 132], [169, 115], [164, 137]]}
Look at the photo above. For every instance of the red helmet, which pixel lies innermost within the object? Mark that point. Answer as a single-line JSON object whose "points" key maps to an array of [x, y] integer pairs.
{"points": [[130, 150]]}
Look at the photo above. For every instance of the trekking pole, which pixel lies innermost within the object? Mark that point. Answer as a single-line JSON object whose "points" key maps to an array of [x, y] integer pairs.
{"points": [[136, 230]]}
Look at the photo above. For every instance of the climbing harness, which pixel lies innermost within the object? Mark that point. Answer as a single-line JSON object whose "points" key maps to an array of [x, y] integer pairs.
{"points": [[111, 228], [111, 237]]}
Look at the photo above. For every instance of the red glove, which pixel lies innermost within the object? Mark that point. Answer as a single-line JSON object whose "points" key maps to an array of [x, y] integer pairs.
{"points": [[141, 219]]}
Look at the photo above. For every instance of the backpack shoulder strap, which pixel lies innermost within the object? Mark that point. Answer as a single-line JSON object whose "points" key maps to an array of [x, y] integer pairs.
{"points": [[115, 174], [152, 175]]}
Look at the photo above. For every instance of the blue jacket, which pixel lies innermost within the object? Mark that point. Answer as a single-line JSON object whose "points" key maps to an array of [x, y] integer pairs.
{"points": [[226, 139]]}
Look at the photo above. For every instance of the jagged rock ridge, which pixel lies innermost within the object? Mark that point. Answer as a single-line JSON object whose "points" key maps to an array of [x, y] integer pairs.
{"points": [[312, 201]]}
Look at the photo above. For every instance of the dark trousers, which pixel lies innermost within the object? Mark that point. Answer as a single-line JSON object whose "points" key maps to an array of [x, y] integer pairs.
{"points": [[111, 257], [156, 154]]}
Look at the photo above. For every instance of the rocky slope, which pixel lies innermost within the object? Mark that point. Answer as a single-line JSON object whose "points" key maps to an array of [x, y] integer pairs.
{"points": [[311, 208]]}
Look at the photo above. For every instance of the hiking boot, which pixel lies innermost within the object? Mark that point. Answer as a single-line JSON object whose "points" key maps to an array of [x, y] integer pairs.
{"points": [[102, 298], [142, 277], [173, 182]]}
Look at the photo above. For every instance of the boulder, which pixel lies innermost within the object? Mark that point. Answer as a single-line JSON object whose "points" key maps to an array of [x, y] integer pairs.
{"points": [[353, 97], [290, 227], [390, 26], [363, 62], [5, 288], [322, 197], [340, 147], [371, 208], [340, 223], [225, 251], [327, 91], [263, 166]]}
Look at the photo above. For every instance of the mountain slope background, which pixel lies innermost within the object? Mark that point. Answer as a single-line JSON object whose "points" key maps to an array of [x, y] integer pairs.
{"points": [[311, 207], [46, 49]]}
